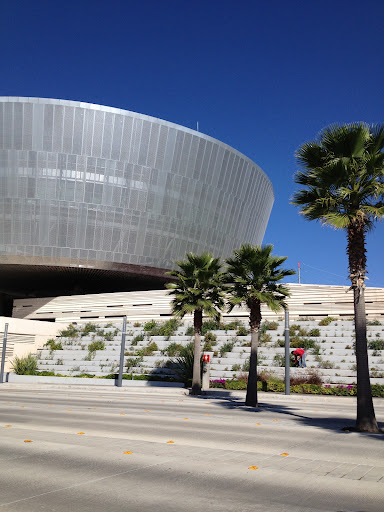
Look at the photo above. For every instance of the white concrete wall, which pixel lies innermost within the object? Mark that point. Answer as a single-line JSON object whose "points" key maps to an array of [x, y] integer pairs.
{"points": [[25, 336]]}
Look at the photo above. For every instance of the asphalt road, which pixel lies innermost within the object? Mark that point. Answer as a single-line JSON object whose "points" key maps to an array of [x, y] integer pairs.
{"points": [[131, 450]]}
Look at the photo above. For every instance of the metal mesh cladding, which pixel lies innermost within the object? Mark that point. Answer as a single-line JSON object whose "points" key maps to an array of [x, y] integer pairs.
{"points": [[86, 184]]}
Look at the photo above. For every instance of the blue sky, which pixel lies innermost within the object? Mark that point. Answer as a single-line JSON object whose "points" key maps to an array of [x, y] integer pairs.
{"points": [[263, 77]]}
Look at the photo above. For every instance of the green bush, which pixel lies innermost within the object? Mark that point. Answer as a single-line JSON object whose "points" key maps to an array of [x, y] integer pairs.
{"points": [[70, 332], [148, 350], [305, 343], [231, 326], [272, 326], [109, 335], [373, 322], [136, 339], [173, 350], [327, 320], [226, 347], [376, 345], [25, 365], [88, 328], [190, 331], [265, 338], [210, 337], [314, 332], [182, 366], [53, 345], [209, 342], [235, 384], [242, 331], [133, 362], [96, 345], [148, 326], [166, 329], [210, 325]]}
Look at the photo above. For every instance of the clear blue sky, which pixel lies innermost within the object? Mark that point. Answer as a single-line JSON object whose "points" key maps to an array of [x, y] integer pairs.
{"points": [[264, 77]]}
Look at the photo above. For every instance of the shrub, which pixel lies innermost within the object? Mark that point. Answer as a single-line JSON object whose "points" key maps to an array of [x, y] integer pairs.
{"points": [[314, 332], [312, 377], [182, 366], [271, 326], [279, 360], [326, 364], [173, 350], [148, 326], [88, 328], [218, 383], [69, 332], [209, 342], [133, 362], [265, 338], [53, 345], [231, 326], [210, 325], [327, 320], [166, 329], [242, 331], [148, 350], [376, 345], [235, 384], [137, 324], [109, 335], [304, 343], [227, 347], [136, 339], [190, 331], [373, 322], [96, 345], [236, 367], [25, 365]]}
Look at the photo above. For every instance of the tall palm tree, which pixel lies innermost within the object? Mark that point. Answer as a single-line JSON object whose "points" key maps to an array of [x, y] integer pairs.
{"points": [[253, 276], [343, 180], [198, 289]]}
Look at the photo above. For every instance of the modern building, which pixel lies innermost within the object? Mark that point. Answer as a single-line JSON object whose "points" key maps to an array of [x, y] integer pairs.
{"points": [[97, 199]]}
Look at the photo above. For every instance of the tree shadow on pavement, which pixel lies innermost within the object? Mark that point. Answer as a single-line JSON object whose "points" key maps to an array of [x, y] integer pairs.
{"points": [[338, 424]]}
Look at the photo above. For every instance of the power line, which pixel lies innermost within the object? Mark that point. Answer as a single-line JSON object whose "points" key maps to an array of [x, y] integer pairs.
{"points": [[322, 270]]}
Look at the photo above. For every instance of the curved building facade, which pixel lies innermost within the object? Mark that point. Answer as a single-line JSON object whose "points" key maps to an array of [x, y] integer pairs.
{"points": [[88, 190]]}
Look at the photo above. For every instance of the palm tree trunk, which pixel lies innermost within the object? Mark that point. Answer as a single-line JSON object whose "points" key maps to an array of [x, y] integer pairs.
{"points": [[366, 420], [254, 323], [196, 379]]}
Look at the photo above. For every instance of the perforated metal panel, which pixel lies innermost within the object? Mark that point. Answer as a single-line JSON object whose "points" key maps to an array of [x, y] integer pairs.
{"points": [[83, 184]]}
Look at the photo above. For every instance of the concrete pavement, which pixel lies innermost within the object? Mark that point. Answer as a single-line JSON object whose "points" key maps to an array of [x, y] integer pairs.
{"points": [[118, 449]]}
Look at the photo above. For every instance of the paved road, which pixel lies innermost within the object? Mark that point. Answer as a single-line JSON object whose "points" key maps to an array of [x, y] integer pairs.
{"points": [[132, 450]]}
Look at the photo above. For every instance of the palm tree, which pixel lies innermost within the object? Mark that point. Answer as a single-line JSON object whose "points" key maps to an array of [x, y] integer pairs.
{"points": [[253, 276], [197, 288], [343, 180]]}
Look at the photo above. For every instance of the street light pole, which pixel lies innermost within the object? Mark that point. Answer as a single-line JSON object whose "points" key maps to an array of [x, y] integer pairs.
{"points": [[287, 354], [119, 382], [3, 354]]}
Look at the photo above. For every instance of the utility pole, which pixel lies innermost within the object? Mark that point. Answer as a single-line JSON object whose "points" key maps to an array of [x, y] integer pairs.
{"points": [[287, 380], [3, 353], [119, 382]]}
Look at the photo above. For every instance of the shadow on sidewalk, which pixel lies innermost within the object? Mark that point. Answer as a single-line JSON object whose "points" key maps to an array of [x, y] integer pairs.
{"points": [[334, 424]]}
